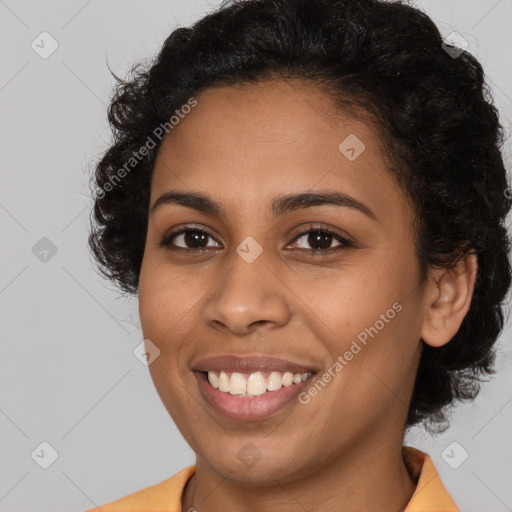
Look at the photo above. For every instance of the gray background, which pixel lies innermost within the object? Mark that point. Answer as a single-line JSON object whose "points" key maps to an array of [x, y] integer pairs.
{"points": [[68, 373]]}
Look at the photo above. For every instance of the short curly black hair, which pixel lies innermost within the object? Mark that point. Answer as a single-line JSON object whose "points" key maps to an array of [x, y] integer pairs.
{"points": [[383, 59]]}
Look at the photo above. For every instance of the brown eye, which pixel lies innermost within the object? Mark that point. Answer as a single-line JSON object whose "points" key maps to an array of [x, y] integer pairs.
{"points": [[320, 241], [188, 239]]}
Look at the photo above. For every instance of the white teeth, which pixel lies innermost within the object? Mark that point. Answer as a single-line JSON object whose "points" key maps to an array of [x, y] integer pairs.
{"points": [[287, 379], [237, 384], [255, 384], [274, 381], [223, 382], [213, 379]]}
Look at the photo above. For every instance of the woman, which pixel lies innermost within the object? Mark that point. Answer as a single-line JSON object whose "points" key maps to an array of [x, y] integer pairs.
{"points": [[308, 197]]}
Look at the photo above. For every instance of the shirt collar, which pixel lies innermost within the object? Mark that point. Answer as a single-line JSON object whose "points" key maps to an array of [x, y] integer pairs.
{"points": [[430, 494]]}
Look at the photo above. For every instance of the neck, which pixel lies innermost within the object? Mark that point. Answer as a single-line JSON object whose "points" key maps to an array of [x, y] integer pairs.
{"points": [[375, 478]]}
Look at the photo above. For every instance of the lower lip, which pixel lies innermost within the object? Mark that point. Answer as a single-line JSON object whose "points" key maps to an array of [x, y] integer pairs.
{"points": [[244, 408]]}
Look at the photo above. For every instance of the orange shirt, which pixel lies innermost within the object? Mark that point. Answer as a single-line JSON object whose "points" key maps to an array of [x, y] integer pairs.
{"points": [[429, 496]]}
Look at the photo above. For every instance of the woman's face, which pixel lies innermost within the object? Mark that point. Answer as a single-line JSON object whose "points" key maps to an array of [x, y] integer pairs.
{"points": [[253, 287]]}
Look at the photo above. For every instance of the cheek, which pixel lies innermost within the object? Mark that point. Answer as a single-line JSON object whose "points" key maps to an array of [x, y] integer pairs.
{"points": [[152, 308], [160, 302], [168, 318], [353, 300], [370, 317], [160, 310]]}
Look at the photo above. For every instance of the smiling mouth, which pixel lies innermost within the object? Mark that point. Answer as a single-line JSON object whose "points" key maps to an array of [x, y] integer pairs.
{"points": [[253, 384], [248, 398], [251, 387]]}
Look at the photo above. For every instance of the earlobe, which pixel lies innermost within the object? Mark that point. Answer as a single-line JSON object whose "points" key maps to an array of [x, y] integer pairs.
{"points": [[448, 298]]}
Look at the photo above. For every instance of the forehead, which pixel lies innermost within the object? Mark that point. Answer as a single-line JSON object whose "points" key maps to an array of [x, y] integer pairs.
{"points": [[271, 138], [285, 112]]}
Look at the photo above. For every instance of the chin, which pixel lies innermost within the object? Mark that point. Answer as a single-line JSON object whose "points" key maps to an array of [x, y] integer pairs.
{"points": [[250, 465]]}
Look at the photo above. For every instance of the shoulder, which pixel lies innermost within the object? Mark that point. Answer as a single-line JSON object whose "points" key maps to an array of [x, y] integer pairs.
{"points": [[164, 496]]}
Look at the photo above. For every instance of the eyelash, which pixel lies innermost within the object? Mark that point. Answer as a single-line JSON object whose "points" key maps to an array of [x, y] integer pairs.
{"points": [[166, 241]]}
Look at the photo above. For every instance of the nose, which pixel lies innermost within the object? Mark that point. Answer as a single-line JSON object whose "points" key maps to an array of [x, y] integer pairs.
{"points": [[249, 294]]}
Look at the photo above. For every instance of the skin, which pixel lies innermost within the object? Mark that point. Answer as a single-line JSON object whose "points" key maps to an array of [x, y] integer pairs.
{"points": [[243, 146]]}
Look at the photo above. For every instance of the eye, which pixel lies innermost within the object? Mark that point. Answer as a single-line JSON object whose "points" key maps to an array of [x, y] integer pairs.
{"points": [[321, 239], [190, 240], [196, 240]]}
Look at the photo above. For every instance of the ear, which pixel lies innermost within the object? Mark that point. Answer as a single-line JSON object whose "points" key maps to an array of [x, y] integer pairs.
{"points": [[448, 297]]}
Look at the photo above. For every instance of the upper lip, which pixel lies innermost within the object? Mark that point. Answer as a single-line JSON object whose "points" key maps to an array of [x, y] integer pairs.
{"points": [[249, 364]]}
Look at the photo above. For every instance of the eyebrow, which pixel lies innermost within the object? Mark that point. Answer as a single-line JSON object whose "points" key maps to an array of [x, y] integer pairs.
{"points": [[280, 205]]}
